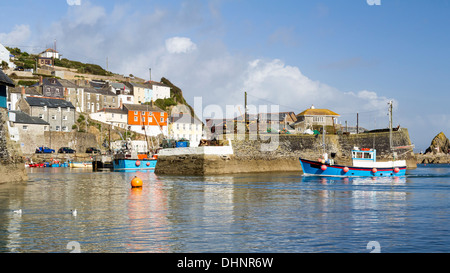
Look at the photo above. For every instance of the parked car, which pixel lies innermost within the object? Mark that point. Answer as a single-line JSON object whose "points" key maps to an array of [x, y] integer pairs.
{"points": [[92, 150], [66, 150], [44, 150]]}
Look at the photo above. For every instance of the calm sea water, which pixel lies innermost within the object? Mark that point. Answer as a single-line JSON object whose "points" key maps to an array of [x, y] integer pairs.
{"points": [[276, 212]]}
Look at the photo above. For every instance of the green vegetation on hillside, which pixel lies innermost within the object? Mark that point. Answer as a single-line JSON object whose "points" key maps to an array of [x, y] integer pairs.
{"points": [[83, 67], [23, 59], [28, 61]]}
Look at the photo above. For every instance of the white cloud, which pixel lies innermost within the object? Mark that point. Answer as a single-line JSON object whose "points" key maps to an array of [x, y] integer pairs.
{"points": [[17, 36], [74, 2], [135, 41], [180, 45]]}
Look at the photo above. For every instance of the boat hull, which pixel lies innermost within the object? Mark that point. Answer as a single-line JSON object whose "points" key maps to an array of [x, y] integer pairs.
{"points": [[310, 167], [134, 164]]}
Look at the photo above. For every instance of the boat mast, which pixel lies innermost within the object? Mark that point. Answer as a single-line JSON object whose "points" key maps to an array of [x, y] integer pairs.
{"points": [[390, 129]]}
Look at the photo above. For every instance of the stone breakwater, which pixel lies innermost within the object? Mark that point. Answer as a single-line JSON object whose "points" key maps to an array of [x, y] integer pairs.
{"points": [[12, 167], [430, 158], [271, 153]]}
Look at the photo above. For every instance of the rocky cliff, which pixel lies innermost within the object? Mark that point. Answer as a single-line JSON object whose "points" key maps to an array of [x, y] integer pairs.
{"points": [[12, 167], [439, 144]]}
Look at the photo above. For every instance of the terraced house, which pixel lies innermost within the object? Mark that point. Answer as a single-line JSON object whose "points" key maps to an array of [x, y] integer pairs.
{"points": [[59, 113]]}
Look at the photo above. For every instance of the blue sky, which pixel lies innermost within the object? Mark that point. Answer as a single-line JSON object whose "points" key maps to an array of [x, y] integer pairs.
{"points": [[346, 56]]}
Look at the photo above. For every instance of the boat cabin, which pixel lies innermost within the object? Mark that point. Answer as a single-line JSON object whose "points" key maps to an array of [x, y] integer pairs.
{"points": [[364, 154]]}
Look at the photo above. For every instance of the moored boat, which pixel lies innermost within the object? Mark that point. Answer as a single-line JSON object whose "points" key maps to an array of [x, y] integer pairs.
{"points": [[127, 159], [129, 164], [363, 164]]}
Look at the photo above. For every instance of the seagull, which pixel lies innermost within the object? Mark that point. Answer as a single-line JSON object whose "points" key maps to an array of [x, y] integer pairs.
{"points": [[18, 211], [74, 212]]}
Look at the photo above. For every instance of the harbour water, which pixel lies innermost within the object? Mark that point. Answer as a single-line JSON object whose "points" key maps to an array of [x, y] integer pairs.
{"points": [[276, 212]]}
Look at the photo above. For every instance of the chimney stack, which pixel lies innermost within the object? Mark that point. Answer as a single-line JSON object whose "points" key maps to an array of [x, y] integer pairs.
{"points": [[23, 92], [40, 80]]}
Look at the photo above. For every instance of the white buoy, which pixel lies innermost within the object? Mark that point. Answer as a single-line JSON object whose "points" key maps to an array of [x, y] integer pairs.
{"points": [[74, 212]]}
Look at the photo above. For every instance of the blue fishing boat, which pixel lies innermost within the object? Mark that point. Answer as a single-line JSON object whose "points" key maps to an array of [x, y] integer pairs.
{"points": [[127, 159], [364, 163], [128, 164]]}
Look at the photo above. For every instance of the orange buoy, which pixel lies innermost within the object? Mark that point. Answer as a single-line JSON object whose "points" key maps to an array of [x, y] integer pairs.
{"points": [[148, 164], [346, 169], [396, 170], [138, 163], [136, 182], [374, 170], [323, 168]]}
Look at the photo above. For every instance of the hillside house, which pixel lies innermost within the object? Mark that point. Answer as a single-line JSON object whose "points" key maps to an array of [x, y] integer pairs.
{"points": [[28, 131], [59, 113], [15, 94], [146, 119], [141, 92], [313, 118], [160, 90], [50, 53], [113, 116], [185, 126], [51, 87], [5, 82]]}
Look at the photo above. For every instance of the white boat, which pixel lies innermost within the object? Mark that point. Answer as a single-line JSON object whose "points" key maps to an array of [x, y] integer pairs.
{"points": [[80, 164]]}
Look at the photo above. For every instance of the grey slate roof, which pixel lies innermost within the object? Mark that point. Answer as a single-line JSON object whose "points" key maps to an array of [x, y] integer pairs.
{"points": [[49, 102], [5, 80], [24, 118]]}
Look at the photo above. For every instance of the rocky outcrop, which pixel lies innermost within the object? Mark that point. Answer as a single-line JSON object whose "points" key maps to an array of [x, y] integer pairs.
{"points": [[439, 144], [431, 158], [12, 167]]}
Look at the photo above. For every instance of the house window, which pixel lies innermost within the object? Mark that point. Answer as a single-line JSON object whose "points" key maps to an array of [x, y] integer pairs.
{"points": [[45, 128], [59, 109], [104, 99], [68, 109], [64, 117], [318, 119], [25, 127], [45, 108], [88, 106], [64, 128], [162, 119], [41, 116], [135, 112], [128, 98], [98, 106], [53, 117], [98, 97], [135, 118], [57, 128], [114, 99]]}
